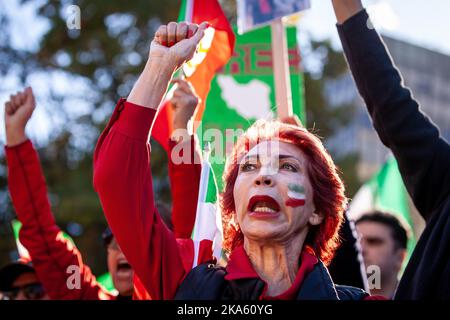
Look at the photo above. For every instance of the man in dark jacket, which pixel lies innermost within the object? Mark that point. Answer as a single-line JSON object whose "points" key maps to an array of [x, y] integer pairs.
{"points": [[423, 155]]}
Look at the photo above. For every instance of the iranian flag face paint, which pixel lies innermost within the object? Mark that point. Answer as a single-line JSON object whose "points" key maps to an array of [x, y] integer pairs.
{"points": [[296, 195]]}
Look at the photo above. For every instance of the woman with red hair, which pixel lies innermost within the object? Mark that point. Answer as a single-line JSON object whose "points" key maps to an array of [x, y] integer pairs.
{"points": [[308, 166], [283, 201]]}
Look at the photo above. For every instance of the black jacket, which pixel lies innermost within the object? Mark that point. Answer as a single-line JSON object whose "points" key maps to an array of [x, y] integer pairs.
{"points": [[422, 154], [207, 282], [347, 265]]}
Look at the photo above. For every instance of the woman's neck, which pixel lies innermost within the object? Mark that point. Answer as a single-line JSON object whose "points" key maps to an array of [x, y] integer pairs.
{"points": [[276, 264]]}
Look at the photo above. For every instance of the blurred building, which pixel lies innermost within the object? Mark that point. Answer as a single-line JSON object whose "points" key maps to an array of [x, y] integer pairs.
{"points": [[425, 72]]}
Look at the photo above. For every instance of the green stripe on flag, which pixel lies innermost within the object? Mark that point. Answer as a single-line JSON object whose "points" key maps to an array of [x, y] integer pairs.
{"points": [[182, 14], [211, 193], [106, 281], [16, 225], [390, 194]]}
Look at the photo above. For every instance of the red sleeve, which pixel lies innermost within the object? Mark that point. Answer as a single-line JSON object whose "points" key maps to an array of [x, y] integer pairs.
{"points": [[185, 181], [123, 180], [51, 253]]}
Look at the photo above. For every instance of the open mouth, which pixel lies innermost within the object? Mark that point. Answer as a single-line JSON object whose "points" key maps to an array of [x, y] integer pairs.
{"points": [[263, 205], [123, 266]]}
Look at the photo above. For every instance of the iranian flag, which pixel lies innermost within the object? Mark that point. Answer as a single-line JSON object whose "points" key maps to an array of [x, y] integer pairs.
{"points": [[207, 234], [24, 255], [214, 51], [384, 191]]}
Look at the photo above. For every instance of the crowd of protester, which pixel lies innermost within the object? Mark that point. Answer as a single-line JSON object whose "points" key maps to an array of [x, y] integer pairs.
{"points": [[283, 203]]}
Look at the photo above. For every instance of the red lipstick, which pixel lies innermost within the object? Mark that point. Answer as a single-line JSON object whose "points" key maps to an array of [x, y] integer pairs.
{"points": [[266, 202]]}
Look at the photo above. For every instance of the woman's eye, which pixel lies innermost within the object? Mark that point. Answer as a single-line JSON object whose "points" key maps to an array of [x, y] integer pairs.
{"points": [[288, 166], [247, 167]]}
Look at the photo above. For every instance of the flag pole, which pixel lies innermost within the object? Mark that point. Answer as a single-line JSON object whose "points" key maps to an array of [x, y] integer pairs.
{"points": [[280, 59], [189, 10]]}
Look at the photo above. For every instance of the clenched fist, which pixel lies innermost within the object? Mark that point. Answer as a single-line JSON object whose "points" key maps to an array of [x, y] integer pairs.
{"points": [[18, 111], [176, 43]]}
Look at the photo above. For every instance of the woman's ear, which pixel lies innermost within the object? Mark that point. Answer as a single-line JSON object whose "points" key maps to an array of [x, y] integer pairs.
{"points": [[316, 218]]}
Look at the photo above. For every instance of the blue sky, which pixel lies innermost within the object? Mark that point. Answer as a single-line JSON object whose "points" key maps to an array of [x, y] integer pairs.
{"points": [[424, 23]]}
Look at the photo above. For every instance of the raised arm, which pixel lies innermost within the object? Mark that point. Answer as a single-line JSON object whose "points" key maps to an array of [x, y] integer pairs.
{"points": [[51, 253], [122, 175], [184, 160], [423, 156]]}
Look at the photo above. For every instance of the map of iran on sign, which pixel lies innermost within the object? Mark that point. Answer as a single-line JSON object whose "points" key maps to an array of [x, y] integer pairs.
{"points": [[250, 101]]}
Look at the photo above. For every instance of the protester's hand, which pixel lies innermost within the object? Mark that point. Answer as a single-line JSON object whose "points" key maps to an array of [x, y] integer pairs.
{"points": [[176, 43], [18, 111], [173, 45], [345, 9], [184, 102]]}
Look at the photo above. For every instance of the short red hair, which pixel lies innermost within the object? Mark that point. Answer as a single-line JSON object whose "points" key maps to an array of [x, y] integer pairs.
{"points": [[329, 191]]}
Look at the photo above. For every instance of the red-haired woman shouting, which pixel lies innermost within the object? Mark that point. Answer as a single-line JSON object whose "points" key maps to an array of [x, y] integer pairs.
{"points": [[283, 200]]}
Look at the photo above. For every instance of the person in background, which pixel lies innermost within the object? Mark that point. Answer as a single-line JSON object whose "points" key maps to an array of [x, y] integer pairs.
{"points": [[421, 152], [54, 257], [383, 241], [18, 281]]}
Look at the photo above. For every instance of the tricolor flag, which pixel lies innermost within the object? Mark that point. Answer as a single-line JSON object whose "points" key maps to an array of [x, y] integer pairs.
{"points": [[24, 255], [214, 51], [384, 191], [207, 234]]}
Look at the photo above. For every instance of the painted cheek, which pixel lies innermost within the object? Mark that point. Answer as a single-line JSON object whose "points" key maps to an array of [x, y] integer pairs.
{"points": [[294, 203], [296, 196]]}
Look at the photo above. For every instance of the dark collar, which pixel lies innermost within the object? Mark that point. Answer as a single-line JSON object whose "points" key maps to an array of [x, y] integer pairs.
{"points": [[240, 267]]}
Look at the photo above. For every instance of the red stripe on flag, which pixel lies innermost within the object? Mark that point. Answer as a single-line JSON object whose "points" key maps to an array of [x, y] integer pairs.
{"points": [[211, 11], [205, 252]]}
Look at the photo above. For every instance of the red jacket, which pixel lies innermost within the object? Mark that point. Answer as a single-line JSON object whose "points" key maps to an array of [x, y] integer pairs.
{"points": [[123, 180], [51, 253]]}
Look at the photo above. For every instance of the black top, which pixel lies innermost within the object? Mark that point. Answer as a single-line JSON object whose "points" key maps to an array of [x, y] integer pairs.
{"points": [[207, 282], [422, 154], [347, 262]]}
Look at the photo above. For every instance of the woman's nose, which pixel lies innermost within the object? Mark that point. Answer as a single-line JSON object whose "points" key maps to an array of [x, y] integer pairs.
{"points": [[264, 180]]}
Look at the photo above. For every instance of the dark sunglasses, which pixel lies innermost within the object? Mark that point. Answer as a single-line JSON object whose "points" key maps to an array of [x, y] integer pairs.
{"points": [[32, 291]]}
